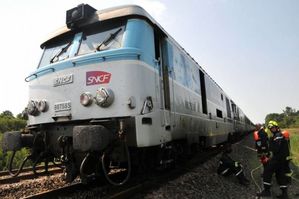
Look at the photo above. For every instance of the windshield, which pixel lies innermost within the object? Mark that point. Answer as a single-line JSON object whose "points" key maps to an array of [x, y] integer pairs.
{"points": [[55, 52], [102, 38], [97, 37]]}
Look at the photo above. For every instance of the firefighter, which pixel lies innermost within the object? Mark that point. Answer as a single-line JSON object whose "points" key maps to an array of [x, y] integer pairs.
{"points": [[278, 147], [227, 166], [261, 143]]}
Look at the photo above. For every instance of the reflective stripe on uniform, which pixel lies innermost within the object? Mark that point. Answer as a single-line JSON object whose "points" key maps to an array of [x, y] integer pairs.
{"points": [[283, 186], [224, 172], [278, 138], [267, 183], [239, 172]]}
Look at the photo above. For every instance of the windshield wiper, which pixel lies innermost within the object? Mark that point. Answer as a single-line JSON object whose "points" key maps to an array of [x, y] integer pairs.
{"points": [[63, 50], [108, 39]]}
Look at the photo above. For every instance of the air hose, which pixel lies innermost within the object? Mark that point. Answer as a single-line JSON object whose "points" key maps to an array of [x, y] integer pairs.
{"points": [[38, 160], [20, 168], [82, 173], [297, 180], [253, 179], [256, 184], [128, 169]]}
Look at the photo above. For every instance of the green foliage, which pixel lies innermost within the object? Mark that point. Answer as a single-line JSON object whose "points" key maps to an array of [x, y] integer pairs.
{"points": [[9, 123], [18, 159], [274, 116], [295, 148], [23, 115], [289, 118], [7, 114]]}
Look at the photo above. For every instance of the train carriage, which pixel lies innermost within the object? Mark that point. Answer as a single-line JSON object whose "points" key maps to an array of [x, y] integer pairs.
{"points": [[113, 82]]}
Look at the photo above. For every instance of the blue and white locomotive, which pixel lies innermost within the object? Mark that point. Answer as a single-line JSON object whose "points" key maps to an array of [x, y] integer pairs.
{"points": [[113, 88]]}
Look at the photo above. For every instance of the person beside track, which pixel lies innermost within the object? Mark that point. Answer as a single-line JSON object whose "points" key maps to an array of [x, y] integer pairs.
{"points": [[276, 163], [228, 166]]}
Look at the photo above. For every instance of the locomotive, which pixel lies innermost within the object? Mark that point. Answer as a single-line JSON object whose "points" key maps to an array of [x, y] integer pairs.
{"points": [[114, 90]]}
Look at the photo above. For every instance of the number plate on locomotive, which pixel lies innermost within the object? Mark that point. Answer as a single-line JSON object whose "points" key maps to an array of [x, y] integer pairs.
{"points": [[67, 79], [62, 106]]}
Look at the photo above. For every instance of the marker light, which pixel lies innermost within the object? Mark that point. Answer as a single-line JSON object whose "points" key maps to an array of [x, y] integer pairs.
{"points": [[32, 108], [42, 106], [104, 97], [86, 99]]}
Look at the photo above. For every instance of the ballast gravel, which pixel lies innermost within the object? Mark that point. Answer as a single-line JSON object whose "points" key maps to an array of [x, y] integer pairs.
{"points": [[203, 182], [199, 182]]}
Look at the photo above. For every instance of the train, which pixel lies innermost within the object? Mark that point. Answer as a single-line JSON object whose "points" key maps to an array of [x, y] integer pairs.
{"points": [[114, 90]]}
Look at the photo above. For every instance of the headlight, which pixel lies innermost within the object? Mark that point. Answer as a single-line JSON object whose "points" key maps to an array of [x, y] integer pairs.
{"points": [[104, 97], [86, 99], [32, 108], [42, 106]]}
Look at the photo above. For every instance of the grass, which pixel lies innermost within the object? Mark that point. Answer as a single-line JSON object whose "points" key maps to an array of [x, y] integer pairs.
{"points": [[294, 137]]}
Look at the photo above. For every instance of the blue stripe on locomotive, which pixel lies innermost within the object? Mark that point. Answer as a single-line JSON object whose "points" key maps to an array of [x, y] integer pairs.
{"points": [[138, 44]]}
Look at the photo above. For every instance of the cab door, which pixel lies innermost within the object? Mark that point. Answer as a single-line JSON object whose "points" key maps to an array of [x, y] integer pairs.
{"points": [[163, 55]]}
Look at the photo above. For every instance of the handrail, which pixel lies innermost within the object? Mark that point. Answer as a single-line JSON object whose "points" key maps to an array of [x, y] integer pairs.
{"points": [[105, 57], [36, 74]]}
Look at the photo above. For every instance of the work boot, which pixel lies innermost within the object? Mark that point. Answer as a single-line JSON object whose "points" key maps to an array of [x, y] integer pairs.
{"points": [[264, 193], [284, 194]]}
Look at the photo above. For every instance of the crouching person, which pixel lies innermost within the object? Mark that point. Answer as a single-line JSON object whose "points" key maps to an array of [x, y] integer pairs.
{"points": [[227, 166]]}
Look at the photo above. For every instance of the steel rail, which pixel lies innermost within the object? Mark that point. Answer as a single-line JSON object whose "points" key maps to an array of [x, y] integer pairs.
{"points": [[59, 191], [27, 169], [27, 176]]}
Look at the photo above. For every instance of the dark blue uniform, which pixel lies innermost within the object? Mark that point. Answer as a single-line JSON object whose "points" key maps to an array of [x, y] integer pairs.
{"points": [[227, 166], [279, 149]]}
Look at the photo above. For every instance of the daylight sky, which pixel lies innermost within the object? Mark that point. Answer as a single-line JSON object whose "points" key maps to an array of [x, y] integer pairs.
{"points": [[249, 47]]}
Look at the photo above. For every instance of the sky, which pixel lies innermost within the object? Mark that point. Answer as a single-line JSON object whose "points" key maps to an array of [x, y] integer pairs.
{"points": [[249, 47]]}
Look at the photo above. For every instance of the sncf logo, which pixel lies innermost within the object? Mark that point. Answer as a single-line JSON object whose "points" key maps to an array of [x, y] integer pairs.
{"points": [[97, 77]]}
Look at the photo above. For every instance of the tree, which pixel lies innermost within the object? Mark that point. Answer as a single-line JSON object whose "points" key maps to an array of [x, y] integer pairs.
{"points": [[7, 114], [23, 115], [288, 118], [288, 121], [289, 111], [274, 116]]}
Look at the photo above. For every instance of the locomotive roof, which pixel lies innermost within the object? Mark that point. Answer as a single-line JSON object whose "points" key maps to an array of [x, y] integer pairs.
{"points": [[110, 13], [121, 12]]}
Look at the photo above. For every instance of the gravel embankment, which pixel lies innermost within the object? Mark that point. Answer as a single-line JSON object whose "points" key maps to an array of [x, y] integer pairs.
{"points": [[203, 181], [30, 187], [200, 182]]}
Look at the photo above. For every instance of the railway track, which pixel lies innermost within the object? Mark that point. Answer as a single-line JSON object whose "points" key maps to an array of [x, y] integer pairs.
{"points": [[28, 169], [138, 184], [154, 182], [27, 173], [57, 192]]}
